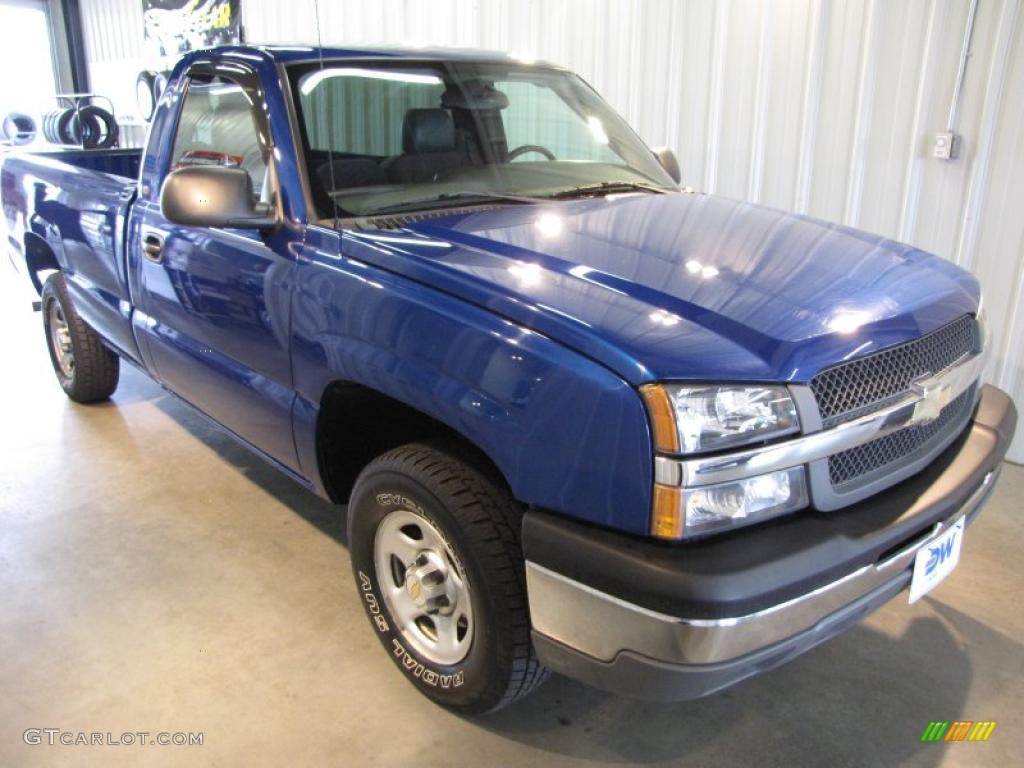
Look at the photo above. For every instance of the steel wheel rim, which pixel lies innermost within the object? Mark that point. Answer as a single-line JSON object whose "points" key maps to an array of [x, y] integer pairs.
{"points": [[424, 587], [60, 340]]}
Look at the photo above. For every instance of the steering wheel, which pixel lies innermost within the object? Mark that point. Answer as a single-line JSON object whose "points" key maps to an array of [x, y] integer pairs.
{"points": [[526, 148]]}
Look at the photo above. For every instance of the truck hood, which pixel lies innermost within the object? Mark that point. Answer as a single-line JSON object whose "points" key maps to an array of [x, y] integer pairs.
{"points": [[684, 286]]}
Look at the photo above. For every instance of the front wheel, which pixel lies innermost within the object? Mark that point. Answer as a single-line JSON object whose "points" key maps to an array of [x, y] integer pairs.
{"points": [[436, 556], [86, 370]]}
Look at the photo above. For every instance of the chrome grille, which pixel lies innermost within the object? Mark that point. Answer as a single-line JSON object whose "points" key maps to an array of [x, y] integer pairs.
{"points": [[860, 386], [860, 465]]}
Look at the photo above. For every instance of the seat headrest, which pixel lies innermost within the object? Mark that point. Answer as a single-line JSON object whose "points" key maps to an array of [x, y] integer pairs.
{"points": [[427, 130]]}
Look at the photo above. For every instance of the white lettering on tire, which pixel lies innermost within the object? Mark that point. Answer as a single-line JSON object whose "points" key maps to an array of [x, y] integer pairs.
{"points": [[372, 604], [411, 664], [398, 500], [422, 672]]}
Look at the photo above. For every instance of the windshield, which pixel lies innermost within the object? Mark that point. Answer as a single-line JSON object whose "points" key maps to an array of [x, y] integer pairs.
{"points": [[383, 137]]}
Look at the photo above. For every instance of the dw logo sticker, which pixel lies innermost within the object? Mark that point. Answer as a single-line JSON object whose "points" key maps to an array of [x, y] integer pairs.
{"points": [[937, 555]]}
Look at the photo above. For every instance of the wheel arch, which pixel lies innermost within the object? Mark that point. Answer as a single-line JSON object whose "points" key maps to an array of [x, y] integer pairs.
{"points": [[39, 258], [356, 423]]}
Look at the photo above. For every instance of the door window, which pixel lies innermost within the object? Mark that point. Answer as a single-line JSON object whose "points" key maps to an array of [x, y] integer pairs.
{"points": [[217, 127]]}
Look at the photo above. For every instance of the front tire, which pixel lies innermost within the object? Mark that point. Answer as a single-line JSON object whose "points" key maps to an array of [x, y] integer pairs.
{"points": [[436, 557], [87, 371]]}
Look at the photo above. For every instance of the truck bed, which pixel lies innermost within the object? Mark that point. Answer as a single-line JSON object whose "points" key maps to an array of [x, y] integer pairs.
{"points": [[117, 162], [66, 210]]}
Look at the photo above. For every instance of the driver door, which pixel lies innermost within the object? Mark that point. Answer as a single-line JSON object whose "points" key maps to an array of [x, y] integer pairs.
{"points": [[216, 301]]}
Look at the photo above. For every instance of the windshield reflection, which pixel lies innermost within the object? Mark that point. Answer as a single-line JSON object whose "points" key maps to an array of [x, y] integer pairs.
{"points": [[391, 137]]}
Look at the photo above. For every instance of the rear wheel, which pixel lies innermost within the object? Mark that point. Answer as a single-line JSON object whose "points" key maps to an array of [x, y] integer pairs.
{"points": [[86, 370], [435, 552]]}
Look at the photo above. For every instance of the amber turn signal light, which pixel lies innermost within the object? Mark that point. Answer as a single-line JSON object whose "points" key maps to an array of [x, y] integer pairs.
{"points": [[663, 422], [667, 512]]}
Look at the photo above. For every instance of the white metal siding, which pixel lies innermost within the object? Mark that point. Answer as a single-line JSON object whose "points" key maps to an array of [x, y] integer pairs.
{"points": [[112, 30], [810, 105]]}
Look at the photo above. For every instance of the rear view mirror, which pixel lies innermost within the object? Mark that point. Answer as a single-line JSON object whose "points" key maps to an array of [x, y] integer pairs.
{"points": [[213, 196], [669, 162]]}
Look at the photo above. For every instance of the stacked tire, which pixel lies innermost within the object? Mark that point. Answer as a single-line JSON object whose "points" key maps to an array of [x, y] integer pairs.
{"points": [[149, 87], [159, 86], [56, 124], [18, 129], [144, 95], [93, 128], [89, 126]]}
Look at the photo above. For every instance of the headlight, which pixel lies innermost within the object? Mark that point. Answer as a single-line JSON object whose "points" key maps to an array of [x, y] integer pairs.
{"points": [[686, 512], [714, 507], [688, 419]]}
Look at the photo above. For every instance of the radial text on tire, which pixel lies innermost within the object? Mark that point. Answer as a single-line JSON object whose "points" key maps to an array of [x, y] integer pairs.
{"points": [[437, 560]]}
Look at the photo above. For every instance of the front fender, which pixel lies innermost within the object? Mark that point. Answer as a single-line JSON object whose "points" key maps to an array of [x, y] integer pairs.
{"points": [[568, 434]]}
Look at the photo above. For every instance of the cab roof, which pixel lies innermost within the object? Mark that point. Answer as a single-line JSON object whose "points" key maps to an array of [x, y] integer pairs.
{"points": [[288, 54]]}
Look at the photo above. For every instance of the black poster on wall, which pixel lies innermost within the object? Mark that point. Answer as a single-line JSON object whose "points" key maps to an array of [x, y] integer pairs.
{"points": [[172, 27]]}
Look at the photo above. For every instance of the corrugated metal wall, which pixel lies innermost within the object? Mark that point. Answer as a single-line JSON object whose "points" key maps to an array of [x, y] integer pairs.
{"points": [[113, 48], [818, 106]]}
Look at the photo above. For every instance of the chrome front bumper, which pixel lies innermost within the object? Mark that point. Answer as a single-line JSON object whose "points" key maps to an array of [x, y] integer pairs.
{"points": [[602, 626], [670, 622]]}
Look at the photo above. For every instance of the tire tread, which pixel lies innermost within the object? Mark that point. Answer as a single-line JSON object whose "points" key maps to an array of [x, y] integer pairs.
{"points": [[97, 369], [492, 519]]}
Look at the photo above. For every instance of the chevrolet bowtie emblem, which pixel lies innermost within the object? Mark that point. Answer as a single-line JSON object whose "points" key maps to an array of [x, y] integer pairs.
{"points": [[935, 395]]}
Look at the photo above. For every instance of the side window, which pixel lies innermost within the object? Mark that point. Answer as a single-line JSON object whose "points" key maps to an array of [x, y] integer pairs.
{"points": [[537, 115], [216, 126]]}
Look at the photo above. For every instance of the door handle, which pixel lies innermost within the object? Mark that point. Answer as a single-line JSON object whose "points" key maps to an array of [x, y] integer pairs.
{"points": [[153, 248]]}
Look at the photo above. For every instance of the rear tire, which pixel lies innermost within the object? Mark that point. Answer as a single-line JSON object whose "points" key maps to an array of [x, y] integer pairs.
{"points": [[86, 370], [435, 552]]}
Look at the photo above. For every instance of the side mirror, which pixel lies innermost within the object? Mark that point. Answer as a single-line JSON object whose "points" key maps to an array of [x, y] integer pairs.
{"points": [[213, 196], [669, 162]]}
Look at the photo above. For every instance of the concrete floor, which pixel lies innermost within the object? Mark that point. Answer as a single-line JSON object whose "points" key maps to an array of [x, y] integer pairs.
{"points": [[154, 576]]}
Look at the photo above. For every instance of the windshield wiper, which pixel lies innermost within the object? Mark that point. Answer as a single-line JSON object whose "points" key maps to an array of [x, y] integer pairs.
{"points": [[607, 188], [439, 201]]}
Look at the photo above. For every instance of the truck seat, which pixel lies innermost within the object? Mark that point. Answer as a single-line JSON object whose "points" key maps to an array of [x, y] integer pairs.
{"points": [[349, 172], [428, 146]]}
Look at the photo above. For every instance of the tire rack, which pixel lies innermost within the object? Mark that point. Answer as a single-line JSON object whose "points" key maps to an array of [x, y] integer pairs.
{"points": [[77, 101]]}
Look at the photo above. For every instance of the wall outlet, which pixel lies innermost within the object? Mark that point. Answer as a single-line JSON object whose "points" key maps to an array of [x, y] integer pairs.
{"points": [[944, 146]]}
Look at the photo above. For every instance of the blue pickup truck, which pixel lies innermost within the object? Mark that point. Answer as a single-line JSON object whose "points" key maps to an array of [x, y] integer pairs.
{"points": [[584, 419]]}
